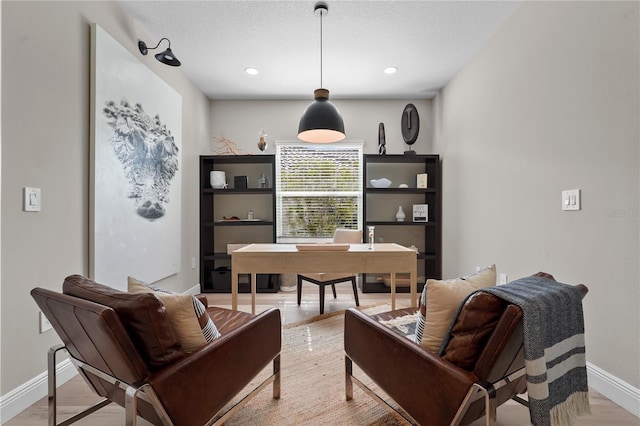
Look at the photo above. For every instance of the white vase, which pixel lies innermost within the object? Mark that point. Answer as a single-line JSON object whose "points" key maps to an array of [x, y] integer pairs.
{"points": [[218, 179], [400, 215]]}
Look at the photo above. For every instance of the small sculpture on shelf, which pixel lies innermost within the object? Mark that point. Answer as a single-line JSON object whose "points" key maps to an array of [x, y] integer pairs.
{"points": [[262, 142], [410, 126], [382, 143]]}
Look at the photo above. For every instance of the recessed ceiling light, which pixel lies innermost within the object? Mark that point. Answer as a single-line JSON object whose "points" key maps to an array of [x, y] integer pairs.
{"points": [[251, 71], [390, 70]]}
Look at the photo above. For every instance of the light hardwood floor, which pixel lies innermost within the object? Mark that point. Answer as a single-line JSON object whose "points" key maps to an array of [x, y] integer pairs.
{"points": [[75, 395]]}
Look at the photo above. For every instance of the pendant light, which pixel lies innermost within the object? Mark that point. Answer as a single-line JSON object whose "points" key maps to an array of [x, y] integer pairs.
{"points": [[321, 122]]}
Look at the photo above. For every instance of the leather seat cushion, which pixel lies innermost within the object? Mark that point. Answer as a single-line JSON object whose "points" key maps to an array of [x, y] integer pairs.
{"points": [[472, 328], [143, 316], [227, 320]]}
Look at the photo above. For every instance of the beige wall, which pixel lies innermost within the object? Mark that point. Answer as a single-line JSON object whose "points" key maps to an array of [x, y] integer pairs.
{"points": [[240, 121], [45, 143], [552, 103]]}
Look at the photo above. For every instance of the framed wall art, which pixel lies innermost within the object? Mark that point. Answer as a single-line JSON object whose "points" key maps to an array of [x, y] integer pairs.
{"points": [[135, 200]]}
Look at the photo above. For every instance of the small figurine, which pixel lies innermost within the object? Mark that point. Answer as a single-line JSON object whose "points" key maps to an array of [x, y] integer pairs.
{"points": [[262, 143]]}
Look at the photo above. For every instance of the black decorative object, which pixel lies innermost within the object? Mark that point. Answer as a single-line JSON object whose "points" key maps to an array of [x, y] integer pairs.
{"points": [[167, 57], [410, 126], [382, 143], [240, 182]]}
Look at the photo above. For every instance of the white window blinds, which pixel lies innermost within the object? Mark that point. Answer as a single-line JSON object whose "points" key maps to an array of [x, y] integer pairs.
{"points": [[318, 189]]}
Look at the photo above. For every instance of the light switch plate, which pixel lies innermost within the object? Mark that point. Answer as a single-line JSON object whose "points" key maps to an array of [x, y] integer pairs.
{"points": [[32, 199], [571, 199]]}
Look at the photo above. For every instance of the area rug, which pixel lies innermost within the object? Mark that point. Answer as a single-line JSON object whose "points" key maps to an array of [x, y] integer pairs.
{"points": [[312, 382]]}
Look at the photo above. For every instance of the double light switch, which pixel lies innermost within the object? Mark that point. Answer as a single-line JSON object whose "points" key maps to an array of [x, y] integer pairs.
{"points": [[571, 199]]}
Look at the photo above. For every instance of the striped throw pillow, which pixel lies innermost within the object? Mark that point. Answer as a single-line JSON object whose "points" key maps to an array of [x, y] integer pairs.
{"points": [[207, 330]]}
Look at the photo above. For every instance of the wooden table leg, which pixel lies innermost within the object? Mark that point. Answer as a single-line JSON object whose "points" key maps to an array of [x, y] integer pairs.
{"points": [[254, 287], [413, 283], [234, 287], [393, 291]]}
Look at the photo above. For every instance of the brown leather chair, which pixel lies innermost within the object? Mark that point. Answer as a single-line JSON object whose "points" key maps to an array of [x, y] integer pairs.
{"points": [[478, 371], [123, 347]]}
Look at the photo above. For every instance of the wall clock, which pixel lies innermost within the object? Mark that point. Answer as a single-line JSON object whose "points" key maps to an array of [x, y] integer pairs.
{"points": [[410, 126]]}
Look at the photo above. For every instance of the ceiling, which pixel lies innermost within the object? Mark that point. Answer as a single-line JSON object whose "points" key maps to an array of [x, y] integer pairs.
{"points": [[428, 41]]}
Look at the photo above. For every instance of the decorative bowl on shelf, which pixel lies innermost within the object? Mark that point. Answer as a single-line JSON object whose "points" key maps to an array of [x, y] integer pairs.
{"points": [[380, 183]]}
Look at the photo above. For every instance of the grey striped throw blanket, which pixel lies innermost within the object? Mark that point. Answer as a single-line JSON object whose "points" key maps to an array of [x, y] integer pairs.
{"points": [[554, 349]]}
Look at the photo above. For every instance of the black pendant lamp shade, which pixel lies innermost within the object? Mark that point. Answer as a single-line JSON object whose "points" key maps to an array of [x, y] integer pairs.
{"points": [[167, 57], [321, 122]]}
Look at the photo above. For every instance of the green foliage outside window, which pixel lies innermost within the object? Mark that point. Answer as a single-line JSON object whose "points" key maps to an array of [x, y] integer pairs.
{"points": [[314, 212]]}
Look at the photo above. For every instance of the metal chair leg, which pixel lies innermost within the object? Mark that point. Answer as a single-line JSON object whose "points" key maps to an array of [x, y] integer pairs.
{"points": [[276, 380], [51, 380], [131, 406], [53, 393], [348, 383]]}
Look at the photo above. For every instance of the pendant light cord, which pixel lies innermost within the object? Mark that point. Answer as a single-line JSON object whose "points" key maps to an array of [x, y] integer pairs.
{"points": [[321, 13]]}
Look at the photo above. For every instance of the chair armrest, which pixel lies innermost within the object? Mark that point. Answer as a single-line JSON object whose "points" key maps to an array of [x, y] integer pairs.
{"points": [[203, 299], [429, 388], [196, 387]]}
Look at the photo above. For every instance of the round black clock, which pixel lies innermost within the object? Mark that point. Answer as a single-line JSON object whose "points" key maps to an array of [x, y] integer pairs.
{"points": [[410, 125]]}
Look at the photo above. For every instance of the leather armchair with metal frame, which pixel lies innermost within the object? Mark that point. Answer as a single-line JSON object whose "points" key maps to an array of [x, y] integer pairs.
{"points": [[177, 388], [467, 382]]}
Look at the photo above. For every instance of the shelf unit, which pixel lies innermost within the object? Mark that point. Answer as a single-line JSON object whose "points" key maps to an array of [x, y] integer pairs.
{"points": [[380, 206], [216, 233]]}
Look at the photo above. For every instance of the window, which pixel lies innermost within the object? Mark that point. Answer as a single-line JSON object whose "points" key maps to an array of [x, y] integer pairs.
{"points": [[318, 189]]}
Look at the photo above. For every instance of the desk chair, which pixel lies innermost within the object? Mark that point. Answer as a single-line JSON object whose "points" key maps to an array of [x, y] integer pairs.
{"points": [[341, 236]]}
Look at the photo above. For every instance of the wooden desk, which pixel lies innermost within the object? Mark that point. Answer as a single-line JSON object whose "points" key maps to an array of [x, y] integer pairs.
{"points": [[285, 258]]}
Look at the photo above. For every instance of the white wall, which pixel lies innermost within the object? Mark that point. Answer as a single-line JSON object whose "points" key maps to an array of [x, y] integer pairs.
{"points": [[45, 143], [552, 103], [240, 122]]}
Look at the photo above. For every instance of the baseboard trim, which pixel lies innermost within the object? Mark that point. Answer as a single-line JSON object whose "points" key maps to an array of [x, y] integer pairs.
{"points": [[618, 391], [27, 394], [195, 290]]}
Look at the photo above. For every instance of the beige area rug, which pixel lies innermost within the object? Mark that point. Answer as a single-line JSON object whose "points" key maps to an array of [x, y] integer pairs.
{"points": [[312, 381]]}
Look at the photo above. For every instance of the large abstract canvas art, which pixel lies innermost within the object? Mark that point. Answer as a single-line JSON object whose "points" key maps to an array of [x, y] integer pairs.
{"points": [[136, 176]]}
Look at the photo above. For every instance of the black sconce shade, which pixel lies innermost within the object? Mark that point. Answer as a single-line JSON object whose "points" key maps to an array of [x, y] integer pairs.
{"points": [[167, 57]]}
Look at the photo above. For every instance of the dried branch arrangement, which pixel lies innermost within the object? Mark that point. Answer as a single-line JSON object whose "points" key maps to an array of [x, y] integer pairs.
{"points": [[224, 146]]}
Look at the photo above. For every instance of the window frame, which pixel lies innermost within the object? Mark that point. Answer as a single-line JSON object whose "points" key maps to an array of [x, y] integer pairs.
{"points": [[357, 193]]}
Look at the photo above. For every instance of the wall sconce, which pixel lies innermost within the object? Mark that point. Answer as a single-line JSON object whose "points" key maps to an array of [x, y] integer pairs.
{"points": [[167, 57]]}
